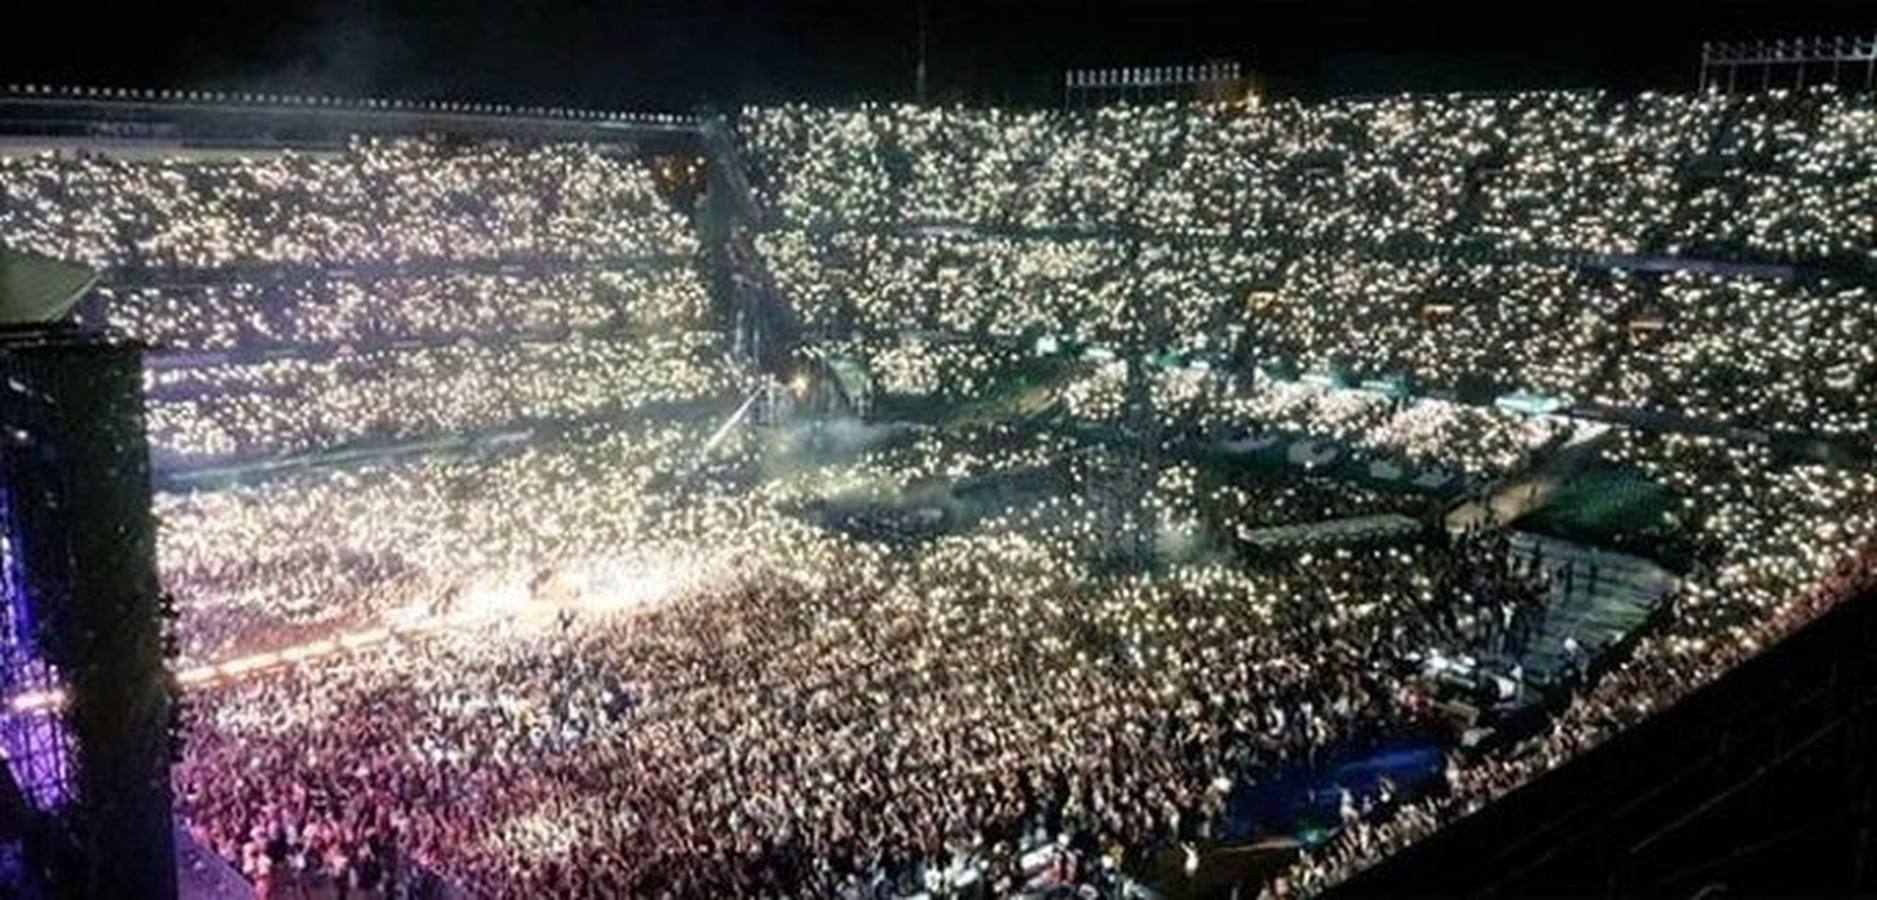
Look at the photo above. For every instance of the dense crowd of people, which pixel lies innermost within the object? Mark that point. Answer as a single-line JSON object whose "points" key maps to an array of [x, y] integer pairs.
{"points": [[1779, 174], [801, 711], [393, 290], [1790, 545], [373, 202], [294, 404], [618, 657], [969, 692], [1754, 350], [1450, 240], [328, 549], [1478, 440], [324, 313]]}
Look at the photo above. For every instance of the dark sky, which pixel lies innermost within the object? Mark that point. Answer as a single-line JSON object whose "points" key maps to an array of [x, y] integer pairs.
{"points": [[678, 54]]}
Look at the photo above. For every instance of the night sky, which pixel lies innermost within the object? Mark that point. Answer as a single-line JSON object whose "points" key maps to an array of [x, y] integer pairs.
{"points": [[683, 54]]}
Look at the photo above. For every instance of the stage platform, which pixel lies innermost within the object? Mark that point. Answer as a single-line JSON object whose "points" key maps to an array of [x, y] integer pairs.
{"points": [[1598, 598]]}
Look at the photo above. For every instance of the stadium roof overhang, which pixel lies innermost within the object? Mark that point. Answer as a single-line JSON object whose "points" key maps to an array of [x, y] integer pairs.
{"points": [[35, 289], [228, 123]]}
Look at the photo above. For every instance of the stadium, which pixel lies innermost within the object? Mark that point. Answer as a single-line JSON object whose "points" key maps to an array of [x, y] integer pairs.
{"points": [[1180, 493]]}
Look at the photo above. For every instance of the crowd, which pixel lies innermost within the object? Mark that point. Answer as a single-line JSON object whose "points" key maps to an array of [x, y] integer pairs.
{"points": [[372, 202], [965, 696], [1441, 239], [806, 713], [330, 549], [1776, 174], [1477, 440], [1786, 545], [391, 290], [616, 658], [299, 403], [327, 313], [1753, 350]]}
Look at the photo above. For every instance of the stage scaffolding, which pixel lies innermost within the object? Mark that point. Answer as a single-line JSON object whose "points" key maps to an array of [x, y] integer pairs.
{"points": [[87, 709]]}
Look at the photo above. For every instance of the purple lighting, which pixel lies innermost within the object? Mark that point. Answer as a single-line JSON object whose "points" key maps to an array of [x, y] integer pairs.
{"points": [[36, 743]]}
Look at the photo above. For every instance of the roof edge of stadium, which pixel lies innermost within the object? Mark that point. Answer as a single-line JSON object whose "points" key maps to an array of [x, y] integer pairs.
{"points": [[127, 109]]}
